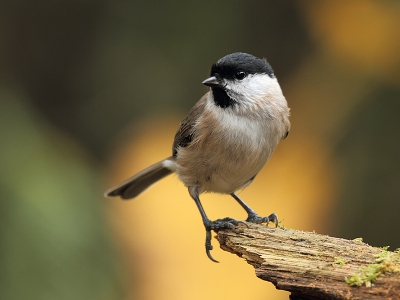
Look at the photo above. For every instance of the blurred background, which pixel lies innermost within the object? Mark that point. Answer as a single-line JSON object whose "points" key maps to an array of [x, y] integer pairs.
{"points": [[93, 91]]}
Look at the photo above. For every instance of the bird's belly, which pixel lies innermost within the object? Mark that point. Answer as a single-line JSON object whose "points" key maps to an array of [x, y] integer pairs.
{"points": [[232, 178], [225, 168]]}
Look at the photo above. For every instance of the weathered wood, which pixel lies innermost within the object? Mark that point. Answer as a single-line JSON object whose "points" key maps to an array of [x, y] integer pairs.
{"points": [[314, 266]]}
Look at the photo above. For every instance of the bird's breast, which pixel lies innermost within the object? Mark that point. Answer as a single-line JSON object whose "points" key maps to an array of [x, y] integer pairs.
{"points": [[227, 152]]}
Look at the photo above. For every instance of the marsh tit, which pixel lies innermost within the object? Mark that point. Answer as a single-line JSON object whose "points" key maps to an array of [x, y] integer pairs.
{"points": [[226, 138]]}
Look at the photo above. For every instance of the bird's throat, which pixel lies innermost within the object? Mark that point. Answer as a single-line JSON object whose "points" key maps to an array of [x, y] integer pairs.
{"points": [[221, 98]]}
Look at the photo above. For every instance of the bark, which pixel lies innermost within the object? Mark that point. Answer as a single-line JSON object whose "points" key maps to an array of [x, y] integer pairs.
{"points": [[314, 266]]}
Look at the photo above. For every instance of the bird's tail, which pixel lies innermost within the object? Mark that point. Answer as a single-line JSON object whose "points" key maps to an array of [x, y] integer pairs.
{"points": [[135, 185]]}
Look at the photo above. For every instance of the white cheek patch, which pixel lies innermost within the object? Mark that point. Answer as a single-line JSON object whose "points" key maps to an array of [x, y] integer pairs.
{"points": [[251, 87]]}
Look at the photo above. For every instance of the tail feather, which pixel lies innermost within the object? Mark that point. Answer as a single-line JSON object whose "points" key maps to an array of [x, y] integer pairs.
{"points": [[135, 185]]}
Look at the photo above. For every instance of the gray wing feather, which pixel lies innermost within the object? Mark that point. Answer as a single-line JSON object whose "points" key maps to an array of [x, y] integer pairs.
{"points": [[186, 132]]}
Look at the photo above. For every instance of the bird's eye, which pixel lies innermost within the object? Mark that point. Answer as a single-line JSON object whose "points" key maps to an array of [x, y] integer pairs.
{"points": [[240, 75]]}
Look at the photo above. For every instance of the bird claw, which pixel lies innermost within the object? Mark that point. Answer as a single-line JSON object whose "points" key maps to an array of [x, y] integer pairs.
{"points": [[217, 225], [254, 218], [209, 247]]}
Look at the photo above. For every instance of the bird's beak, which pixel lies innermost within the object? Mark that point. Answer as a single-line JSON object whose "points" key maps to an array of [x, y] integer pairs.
{"points": [[212, 82]]}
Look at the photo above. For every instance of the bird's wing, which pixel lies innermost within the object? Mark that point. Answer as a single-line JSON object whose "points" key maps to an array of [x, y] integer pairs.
{"points": [[185, 133]]}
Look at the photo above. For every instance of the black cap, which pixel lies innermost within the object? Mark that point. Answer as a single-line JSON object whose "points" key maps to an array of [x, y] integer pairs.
{"points": [[229, 66]]}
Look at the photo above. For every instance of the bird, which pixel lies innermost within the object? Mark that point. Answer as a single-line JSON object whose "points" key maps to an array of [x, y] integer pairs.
{"points": [[225, 140]]}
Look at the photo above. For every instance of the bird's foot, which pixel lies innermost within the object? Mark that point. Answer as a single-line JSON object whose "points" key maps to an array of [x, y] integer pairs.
{"points": [[254, 218], [217, 225], [221, 224]]}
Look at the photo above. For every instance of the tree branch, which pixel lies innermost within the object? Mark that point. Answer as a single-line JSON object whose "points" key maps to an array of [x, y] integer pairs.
{"points": [[314, 266]]}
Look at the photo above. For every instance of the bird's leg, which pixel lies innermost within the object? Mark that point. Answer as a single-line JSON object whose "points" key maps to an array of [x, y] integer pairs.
{"points": [[211, 225], [252, 216]]}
